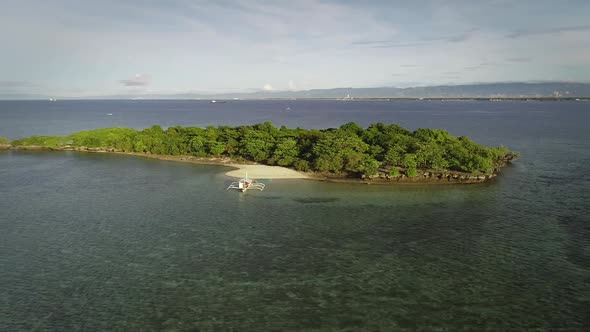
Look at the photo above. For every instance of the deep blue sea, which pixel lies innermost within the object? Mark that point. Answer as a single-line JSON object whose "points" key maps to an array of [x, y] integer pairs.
{"points": [[110, 242]]}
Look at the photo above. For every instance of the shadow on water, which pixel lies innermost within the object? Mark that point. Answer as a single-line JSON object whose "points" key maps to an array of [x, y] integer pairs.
{"points": [[358, 264], [265, 197], [315, 200], [451, 258]]}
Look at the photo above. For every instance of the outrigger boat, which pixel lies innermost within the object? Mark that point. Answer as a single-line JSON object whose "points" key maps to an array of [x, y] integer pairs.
{"points": [[245, 184]]}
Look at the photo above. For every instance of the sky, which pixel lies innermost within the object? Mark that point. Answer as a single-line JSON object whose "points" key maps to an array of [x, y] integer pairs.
{"points": [[82, 48]]}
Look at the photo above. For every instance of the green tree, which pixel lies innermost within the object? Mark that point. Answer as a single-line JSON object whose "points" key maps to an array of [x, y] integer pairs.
{"points": [[353, 128], [338, 152], [197, 146], [231, 138], [257, 145], [347, 150], [124, 143], [302, 165], [394, 155], [409, 160], [431, 155], [306, 140], [266, 127], [215, 148], [286, 152], [370, 166], [139, 146]]}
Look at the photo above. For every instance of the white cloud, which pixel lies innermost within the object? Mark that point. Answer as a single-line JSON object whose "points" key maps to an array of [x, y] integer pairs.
{"points": [[137, 80], [316, 43]]}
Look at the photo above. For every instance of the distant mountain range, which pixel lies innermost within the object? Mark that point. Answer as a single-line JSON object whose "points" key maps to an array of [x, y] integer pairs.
{"points": [[491, 90], [487, 90]]}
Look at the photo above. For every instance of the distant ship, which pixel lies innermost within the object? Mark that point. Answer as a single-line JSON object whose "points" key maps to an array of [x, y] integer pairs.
{"points": [[347, 98], [217, 101]]}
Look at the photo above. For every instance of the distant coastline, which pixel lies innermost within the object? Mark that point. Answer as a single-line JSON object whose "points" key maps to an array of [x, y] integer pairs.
{"points": [[542, 91], [355, 99]]}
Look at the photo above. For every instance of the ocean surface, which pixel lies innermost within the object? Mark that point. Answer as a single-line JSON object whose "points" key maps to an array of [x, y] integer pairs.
{"points": [[109, 242]]}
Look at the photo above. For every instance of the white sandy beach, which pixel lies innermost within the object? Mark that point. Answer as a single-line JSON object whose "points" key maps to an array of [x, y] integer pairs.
{"points": [[265, 172]]}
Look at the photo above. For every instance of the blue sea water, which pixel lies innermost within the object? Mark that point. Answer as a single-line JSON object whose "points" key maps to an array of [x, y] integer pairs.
{"points": [[108, 242]]}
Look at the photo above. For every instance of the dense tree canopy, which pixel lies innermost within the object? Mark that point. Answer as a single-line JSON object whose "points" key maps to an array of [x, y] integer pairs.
{"points": [[349, 149]]}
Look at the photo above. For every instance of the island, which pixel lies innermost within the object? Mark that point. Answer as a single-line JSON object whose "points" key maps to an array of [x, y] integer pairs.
{"points": [[381, 153]]}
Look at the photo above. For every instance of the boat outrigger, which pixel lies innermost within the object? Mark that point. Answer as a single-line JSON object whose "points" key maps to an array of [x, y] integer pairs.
{"points": [[245, 184]]}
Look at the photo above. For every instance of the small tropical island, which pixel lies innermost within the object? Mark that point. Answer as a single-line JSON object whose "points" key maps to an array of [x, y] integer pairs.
{"points": [[381, 153]]}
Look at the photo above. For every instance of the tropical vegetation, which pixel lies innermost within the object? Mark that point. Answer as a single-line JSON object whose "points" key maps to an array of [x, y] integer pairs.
{"points": [[348, 150]]}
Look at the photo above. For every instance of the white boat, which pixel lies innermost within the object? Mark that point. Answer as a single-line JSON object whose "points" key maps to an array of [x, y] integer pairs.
{"points": [[246, 184]]}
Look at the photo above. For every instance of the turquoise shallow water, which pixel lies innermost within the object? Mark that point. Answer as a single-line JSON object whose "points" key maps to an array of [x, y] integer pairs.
{"points": [[108, 242]]}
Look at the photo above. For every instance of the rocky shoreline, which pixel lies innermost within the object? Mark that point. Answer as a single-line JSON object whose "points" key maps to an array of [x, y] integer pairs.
{"points": [[426, 177], [383, 178]]}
